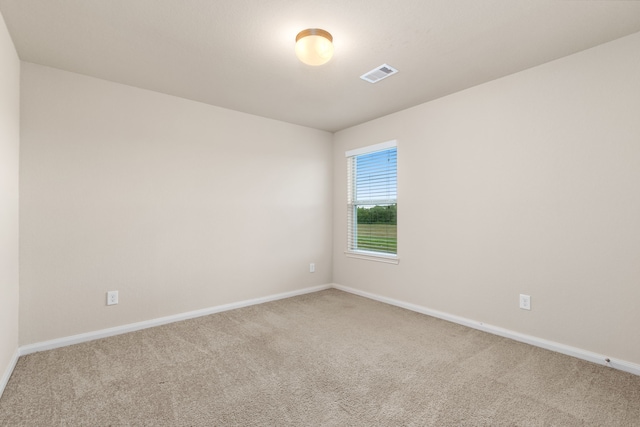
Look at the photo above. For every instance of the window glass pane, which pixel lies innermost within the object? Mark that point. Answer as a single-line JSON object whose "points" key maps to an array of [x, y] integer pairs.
{"points": [[377, 228]]}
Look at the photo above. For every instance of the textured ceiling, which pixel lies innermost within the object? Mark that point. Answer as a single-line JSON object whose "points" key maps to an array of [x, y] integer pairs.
{"points": [[239, 54]]}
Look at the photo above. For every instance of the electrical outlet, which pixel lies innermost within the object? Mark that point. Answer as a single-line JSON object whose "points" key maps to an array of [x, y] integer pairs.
{"points": [[312, 268], [525, 302], [112, 297]]}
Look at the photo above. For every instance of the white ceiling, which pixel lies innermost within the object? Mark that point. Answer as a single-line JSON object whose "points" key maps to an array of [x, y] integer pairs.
{"points": [[239, 54]]}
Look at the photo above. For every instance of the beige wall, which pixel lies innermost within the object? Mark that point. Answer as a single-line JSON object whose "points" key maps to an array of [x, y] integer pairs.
{"points": [[176, 204], [9, 162], [527, 184]]}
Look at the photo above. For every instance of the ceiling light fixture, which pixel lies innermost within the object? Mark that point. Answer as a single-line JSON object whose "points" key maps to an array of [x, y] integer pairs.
{"points": [[314, 46]]}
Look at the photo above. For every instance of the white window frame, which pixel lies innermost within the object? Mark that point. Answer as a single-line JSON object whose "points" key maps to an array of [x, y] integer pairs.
{"points": [[358, 253]]}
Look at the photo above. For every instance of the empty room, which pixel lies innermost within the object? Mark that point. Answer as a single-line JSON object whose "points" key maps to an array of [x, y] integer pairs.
{"points": [[319, 213]]}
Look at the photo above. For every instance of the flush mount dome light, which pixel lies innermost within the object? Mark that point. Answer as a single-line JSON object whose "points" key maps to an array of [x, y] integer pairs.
{"points": [[314, 46]]}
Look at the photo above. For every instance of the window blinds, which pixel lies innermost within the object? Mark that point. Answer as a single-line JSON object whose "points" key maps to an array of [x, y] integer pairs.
{"points": [[372, 199]]}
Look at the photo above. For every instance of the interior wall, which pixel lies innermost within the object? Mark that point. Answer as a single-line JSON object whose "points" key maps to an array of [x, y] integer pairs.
{"points": [[9, 165], [176, 204], [527, 184]]}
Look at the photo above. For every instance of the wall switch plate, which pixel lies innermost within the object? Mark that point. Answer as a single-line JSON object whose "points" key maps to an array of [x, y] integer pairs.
{"points": [[112, 297], [312, 268], [525, 302]]}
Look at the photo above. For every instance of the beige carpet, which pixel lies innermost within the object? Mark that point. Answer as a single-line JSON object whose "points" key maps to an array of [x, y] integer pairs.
{"points": [[323, 359]]}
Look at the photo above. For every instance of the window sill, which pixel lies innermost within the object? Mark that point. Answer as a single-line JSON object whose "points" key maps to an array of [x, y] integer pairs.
{"points": [[373, 256]]}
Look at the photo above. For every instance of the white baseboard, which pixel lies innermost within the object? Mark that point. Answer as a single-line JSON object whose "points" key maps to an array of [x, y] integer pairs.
{"points": [[579, 353], [104, 333], [7, 373], [600, 359]]}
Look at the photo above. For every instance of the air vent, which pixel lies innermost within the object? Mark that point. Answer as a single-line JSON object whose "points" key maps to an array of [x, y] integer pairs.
{"points": [[378, 73]]}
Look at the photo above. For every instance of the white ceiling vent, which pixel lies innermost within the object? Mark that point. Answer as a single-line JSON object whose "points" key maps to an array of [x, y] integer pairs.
{"points": [[379, 73]]}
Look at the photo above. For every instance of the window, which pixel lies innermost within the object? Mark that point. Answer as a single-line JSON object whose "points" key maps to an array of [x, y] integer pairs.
{"points": [[372, 201]]}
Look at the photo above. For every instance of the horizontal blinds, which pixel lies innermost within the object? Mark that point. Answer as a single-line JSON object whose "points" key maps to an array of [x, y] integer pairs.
{"points": [[352, 236], [376, 177], [372, 199]]}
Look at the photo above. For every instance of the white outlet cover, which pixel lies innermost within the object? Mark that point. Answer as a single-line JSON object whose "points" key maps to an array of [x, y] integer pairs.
{"points": [[525, 302], [112, 297]]}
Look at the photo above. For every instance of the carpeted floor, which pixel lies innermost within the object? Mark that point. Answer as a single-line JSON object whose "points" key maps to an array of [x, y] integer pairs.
{"points": [[323, 359]]}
